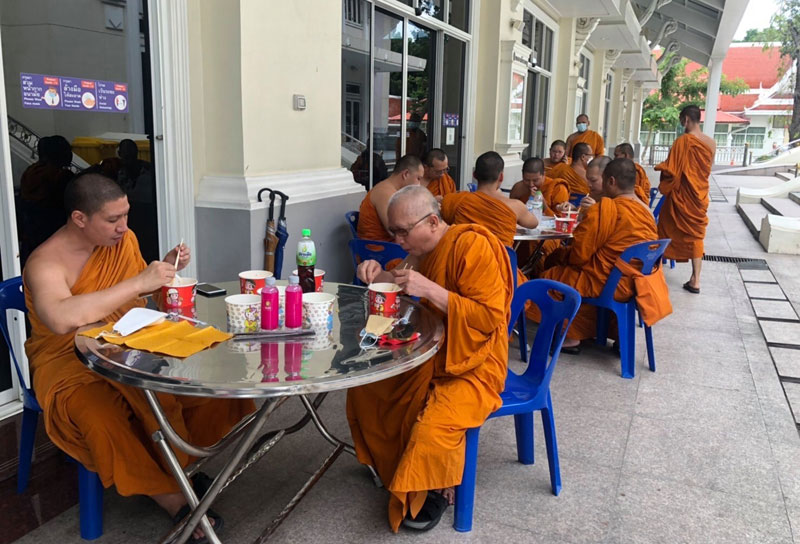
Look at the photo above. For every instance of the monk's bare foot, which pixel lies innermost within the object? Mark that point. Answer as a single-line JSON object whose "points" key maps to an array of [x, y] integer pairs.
{"points": [[172, 503], [570, 343], [449, 494]]}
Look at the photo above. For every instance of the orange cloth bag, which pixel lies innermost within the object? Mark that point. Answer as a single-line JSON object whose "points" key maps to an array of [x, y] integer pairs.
{"points": [[652, 293]]}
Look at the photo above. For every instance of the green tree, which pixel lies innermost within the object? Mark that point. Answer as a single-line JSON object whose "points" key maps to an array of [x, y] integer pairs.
{"points": [[761, 35], [679, 89], [786, 24]]}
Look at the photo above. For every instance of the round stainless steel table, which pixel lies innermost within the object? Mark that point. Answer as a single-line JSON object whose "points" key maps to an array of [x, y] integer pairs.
{"points": [[331, 360], [536, 235]]}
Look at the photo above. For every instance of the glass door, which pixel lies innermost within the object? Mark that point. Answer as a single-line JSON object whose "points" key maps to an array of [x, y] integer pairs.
{"points": [[451, 135]]}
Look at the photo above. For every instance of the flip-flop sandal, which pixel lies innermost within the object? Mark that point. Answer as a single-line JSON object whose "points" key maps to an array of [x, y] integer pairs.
{"points": [[571, 350], [217, 524], [429, 515], [691, 289]]}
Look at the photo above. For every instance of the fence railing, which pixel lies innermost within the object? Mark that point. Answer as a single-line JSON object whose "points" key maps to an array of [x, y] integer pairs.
{"points": [[727, 155]]}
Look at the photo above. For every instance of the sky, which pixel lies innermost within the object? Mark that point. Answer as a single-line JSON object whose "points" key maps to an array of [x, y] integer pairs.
{"points": [[757, 15]]}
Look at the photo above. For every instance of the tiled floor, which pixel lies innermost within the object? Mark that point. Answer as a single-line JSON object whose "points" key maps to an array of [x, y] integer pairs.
{"points": [[703, 450]]}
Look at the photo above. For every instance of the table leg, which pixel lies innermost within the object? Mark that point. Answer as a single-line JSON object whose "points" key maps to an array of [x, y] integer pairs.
{"points": [[537, 253]]}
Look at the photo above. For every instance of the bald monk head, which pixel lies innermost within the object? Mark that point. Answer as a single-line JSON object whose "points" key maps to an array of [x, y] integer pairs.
{"points": [[489, 169], [435, 164], [581, 155], [533, 173], [619, 178], [415, 221], [623, 151], [558, 149], [582, 122], [408, 170], [594, 175], [97, 207], [690, 118]]}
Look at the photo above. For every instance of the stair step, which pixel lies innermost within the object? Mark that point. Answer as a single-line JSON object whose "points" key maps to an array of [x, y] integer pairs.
{"points": [[752, 214], [795, 197], [785, 176], [781, 206]]}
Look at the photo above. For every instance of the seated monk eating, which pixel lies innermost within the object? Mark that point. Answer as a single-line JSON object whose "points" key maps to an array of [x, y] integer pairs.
{"points": [[594, 175], [608, 228], [91, 270], [642, 181], [575, 172], [372, 218], [412, 427]]}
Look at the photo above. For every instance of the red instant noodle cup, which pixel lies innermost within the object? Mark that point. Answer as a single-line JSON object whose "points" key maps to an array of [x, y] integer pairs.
{"points": [[383, 298]]}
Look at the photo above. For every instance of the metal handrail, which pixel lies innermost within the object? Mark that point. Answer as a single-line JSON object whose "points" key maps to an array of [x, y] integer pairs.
{"points": [[28, 137], [356, 140]]}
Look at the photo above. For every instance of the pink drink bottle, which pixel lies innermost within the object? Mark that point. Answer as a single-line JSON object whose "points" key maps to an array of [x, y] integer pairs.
{"points": [[294, 304], [269, 306], [293, 360]]}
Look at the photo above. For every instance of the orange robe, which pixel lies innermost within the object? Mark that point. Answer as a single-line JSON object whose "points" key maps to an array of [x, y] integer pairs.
{"points": [[443, 185], [411, 427], [590, 137], [369, 222], [480, 208], [548, 165], [642, 188], [608, 228], [684, 184], [104, 424], [576, 183]]}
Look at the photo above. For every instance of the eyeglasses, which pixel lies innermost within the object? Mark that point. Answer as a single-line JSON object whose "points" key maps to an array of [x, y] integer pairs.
{"points": [[397, 232]]}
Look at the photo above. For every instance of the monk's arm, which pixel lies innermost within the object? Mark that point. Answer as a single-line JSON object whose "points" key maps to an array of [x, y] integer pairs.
{"points": [[520, 192], [524, 217], [63, 312], [479, 293], [381, 202]]}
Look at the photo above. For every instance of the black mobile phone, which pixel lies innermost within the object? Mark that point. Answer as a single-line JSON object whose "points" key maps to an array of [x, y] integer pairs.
{"points": [[208, 290]]}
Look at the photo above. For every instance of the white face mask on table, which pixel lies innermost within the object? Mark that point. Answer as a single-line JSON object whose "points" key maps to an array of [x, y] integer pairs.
{"points": [[136, 319]]}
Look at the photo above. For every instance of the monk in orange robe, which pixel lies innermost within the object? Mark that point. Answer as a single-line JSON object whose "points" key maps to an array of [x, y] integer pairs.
{"points": [[594, 176], [583, 134], [575, 172], [684, 184], [91, 270], [642, 182], [411, 427], [372, 218], [558, 155], [437, 179], [609, 227]]}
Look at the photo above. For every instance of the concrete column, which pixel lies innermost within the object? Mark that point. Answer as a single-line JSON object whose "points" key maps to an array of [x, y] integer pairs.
{"points": [[636, 124], [566, 81], [628, 121], [712, 96], [597, 91], [614, 137]]}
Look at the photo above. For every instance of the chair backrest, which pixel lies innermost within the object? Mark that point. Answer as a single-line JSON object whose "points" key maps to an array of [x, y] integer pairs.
{"points": [[383, 252], [653, 195], [472, 187], [657, 209], [512, 256], [575, 199], [352, 221], [12, 298], [649, 253], [557, 314]]}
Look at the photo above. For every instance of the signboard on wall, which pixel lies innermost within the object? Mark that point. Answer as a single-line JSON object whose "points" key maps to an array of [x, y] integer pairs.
{"points": [[72, 93]]}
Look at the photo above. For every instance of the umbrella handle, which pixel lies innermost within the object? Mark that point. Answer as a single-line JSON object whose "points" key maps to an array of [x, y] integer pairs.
{"points": [[284, 198], [262, 192]]}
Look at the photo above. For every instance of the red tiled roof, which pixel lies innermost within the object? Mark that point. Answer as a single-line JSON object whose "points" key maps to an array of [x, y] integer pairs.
{"points": [[756, 66], [773, 107], [724, 117], [736, 103]]}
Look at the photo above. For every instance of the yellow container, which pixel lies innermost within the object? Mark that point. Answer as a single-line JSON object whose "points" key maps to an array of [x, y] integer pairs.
{"points": [[94, 150]]}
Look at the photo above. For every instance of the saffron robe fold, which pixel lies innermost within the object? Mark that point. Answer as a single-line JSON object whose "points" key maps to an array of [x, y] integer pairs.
{"points": [[411, 427], [594, 139], [480, 208], [576, 182], [608, 228], [684, 184], [443, 185], [549, 165], [642, 188], [106, 425], [370, 226]]}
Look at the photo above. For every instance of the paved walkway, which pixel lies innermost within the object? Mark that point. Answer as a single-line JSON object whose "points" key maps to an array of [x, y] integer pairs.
{"points": [[704, 450]]}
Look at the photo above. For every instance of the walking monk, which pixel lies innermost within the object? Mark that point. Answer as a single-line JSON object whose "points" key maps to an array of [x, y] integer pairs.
{"points": [[609, 227], [625, 151], [91, 270], [575, 172], [372, 215], [684, 184], [488, 206], [437, 179], [558, 154], [583, 134], [411, 427]]}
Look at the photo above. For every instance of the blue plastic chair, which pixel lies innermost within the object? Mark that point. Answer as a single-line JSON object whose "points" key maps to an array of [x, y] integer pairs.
{"points": [[527, 392], [472, 187], [653, 195], [352, 222], [522, 332], [649, 253], [575, 199], [656, 213], [383, 252], [90, 489]]}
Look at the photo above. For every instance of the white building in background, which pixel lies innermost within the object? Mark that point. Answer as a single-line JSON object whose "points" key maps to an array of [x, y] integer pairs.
{"points": [[238, 95]]}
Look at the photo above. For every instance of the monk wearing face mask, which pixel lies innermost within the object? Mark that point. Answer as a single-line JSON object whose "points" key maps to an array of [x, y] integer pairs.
{"points": [[584, 135]]}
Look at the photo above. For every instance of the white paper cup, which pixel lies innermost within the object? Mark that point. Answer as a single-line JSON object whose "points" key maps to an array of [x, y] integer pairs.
{"points": [[318, 311], [244, 313]]}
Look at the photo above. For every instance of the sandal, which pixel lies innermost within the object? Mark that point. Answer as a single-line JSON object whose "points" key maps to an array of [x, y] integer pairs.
{"points": [[429, 515], [217, 520], [691, 289]]}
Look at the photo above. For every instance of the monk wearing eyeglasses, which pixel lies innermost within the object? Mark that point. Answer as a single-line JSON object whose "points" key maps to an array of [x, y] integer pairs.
{"points": [[372, 215], [437, 178], [412, 427]]}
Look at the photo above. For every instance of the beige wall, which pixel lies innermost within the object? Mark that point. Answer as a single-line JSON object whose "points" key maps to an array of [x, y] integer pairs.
{"points": [[488, 48]]}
